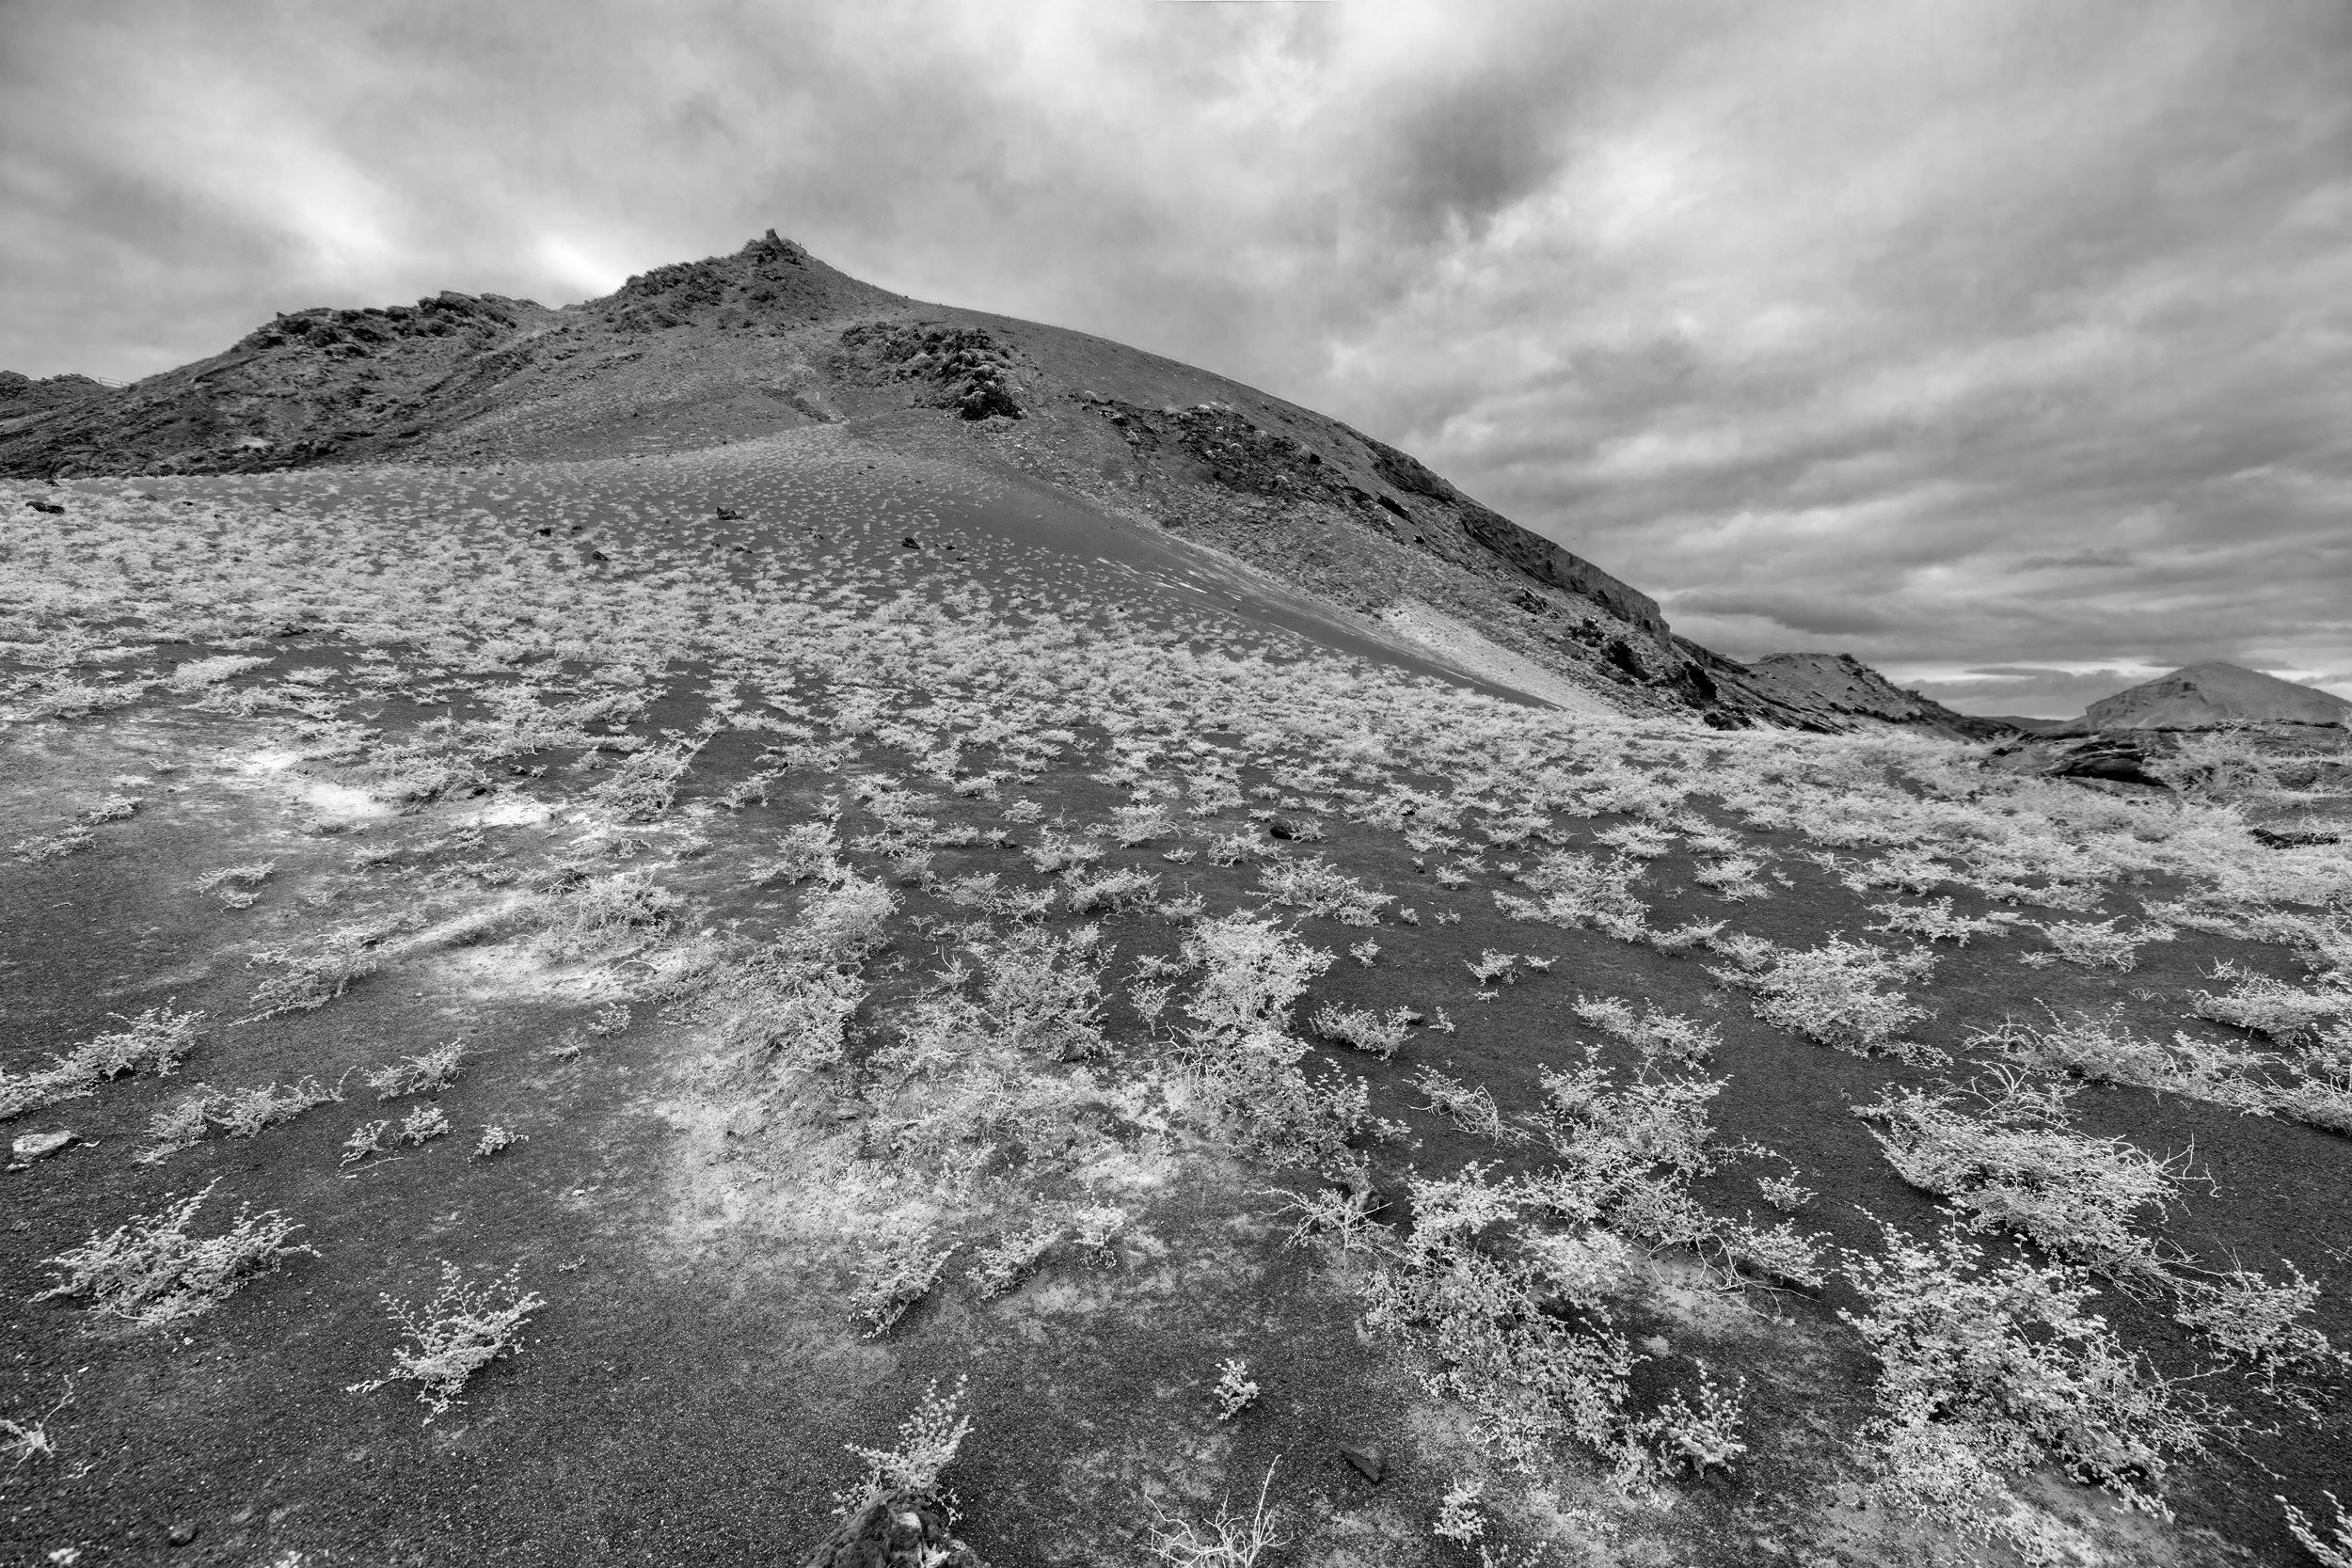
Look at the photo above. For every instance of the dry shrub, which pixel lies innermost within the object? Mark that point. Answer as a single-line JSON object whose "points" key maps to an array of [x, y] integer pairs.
{"points": [[1842, 993], [155, 1041], [2012, 1163], [153, 1272], [459, 1330], [1990, 1369]]}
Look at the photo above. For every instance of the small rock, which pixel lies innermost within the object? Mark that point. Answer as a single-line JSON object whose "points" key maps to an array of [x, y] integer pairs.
{"points": [[51, 507], [1292, 827], [181, 1532], [909, 542], [728, 515], [747, 1121], [40, 1146], [1370, 1463], [2288, 839]]}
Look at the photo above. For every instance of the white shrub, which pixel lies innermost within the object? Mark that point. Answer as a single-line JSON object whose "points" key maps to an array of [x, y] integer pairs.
{"points": [[455, 1333], [1235, 1390], [1316, 887], [1382, 1035], [2014, 1166], [2267, 1007], [153, 1272], [155, 1041], [429, 1073], [1656, 1033], [1840, 995], [927, 1442], [1991, 1370], [1935, 920], [2258, 1323], [896, 1269], [2097, 944]]}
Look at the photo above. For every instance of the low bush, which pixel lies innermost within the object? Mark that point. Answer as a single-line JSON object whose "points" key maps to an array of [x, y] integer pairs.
{"points": [[1471, 1108], [1381, 1034], [607, 914], [1316, 887], [644, 785], [1935, 920], [1235, 1390], [1656, 1032], [2013, 1165], [155, 1041], [428, 1073], [1015, 1256], [453, 1335], [2262, 1005], [2097, 944], [896, 1269], [927, 1443], [2101, 1049], [318, 971], [1989, 1369], [1125, 888], [1843, 994], [1581, 893], [2259, 1324], [153, 1272]]}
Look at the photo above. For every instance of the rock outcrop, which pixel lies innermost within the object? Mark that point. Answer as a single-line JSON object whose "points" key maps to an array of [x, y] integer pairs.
{"points": [[1834, 690]]}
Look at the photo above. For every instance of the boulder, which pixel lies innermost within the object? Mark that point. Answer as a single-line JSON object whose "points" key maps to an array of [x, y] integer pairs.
{"points": [[30, 1147], [902, 1531]]}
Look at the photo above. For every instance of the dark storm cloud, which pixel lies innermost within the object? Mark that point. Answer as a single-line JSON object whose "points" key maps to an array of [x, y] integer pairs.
{"points": [[1960, 336]]}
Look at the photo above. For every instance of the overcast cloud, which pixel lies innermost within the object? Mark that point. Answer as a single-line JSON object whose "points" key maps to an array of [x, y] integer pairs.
{"points": [[2008, 346]]}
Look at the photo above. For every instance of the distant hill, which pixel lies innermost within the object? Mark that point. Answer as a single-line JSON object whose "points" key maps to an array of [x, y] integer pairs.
{"points": [[770, 339], [2211, 696], [1838, 688]]}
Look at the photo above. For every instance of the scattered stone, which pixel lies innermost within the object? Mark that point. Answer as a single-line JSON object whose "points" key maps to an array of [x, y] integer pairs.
{"points": [[909, 542], [51, 507], [30, 1147], [1368, 1462], [728, 515], [1292, 827], [182, 1532]]}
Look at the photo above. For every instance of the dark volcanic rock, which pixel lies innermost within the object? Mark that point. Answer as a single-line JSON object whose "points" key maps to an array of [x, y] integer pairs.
{"points": [[2117, 759], [962, 368], [901, 1531]]}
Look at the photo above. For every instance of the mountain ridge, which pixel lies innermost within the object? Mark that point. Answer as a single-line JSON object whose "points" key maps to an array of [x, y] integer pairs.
{"points": [[770, 339]]}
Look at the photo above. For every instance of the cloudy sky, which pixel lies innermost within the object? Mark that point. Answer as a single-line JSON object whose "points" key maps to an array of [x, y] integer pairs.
{"points": [[2008, 346]]}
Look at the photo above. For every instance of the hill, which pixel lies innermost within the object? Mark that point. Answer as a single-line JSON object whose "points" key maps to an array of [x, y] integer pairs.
{"points": [[770, 340], [2214, 696], [1837, 689], [736, 984]]}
